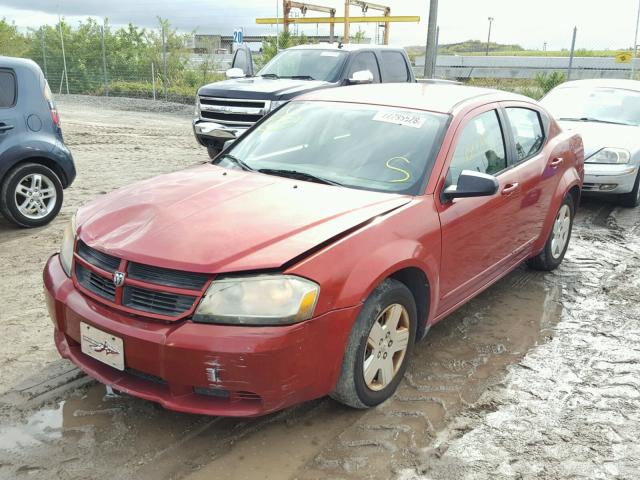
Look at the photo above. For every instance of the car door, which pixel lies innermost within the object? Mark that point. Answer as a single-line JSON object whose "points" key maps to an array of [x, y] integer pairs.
{"points": [[8, 114], [364, 61], [538, 174], [477, 242]]}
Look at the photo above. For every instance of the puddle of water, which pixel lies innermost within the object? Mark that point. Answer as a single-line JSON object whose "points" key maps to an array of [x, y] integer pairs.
{"points": [[44, 425]]}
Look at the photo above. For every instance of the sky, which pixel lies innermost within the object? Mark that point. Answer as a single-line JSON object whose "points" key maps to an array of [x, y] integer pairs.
{"points": [[529, 23]]}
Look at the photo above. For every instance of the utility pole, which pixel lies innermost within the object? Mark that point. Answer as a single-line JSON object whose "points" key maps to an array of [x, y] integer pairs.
{"points": [[489, 36], [430, 50], [573, 47], [635, 45], [104, 64], [64, 59]]}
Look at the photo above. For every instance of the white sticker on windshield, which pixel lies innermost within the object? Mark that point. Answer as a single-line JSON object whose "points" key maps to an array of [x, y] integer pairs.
{"points": [[329, 54], [408, 119]]}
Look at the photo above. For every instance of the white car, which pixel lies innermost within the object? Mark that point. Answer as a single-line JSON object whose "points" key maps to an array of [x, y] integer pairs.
{"points": [[606, 112]]}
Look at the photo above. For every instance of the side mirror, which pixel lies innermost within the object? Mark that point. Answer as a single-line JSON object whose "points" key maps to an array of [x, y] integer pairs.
{"points": [[361, 77], [472, 184], [234, 73]]}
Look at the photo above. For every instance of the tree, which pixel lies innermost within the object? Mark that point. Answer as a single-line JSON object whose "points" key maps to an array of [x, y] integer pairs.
{"points": [[12, 42]]}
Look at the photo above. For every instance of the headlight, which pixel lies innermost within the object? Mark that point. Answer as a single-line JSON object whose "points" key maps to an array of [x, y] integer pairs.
{"points": [[68, 242], [258, 300], [196, 112], [276, 103], [610, 155]]}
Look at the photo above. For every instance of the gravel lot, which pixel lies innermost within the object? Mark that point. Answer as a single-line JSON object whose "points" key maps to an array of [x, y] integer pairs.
{"points": [[538, 377]]}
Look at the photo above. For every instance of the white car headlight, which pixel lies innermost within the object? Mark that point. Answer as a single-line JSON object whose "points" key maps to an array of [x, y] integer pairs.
{"points": [[197, 109], [68, 242], [610, 155], [258, 300], [276, 103]]}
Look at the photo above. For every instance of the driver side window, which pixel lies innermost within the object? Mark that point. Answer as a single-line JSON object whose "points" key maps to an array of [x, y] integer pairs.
{"points": [[365, 61], [480, 148]]}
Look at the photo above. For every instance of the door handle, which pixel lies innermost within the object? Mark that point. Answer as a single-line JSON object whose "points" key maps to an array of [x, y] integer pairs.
{"points": [[510, 188], [4, 127], [556, 162]]}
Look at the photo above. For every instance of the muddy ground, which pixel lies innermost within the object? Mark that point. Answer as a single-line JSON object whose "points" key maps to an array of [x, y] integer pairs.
{"points": [[538, 377]]}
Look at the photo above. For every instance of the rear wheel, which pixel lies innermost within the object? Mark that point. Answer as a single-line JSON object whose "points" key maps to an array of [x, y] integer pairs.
{"points": [[31, 195], [379, 347], [558, 241], [632, 199]]}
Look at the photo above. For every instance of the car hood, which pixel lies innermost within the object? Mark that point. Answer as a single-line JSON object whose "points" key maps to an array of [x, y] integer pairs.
{"points": [[261, 88], [211, 219], [596, 136]]}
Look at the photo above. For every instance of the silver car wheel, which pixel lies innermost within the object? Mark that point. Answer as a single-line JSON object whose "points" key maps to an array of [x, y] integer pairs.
{"points": [[561, 229], [386, 347], [35, 196]]}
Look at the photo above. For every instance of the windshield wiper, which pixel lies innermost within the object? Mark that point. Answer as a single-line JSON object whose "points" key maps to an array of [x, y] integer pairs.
{"points": [[269, 75], [591, 119], [301, 77], [237, 161], [298, 175]]}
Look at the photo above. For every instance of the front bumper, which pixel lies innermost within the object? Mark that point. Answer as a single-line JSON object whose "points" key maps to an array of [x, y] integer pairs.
{"points": [[204, 369], [614, 179], [208, 133]]}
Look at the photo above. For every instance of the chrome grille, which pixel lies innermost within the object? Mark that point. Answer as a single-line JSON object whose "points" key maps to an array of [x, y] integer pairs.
{"points": [[233, 111]]}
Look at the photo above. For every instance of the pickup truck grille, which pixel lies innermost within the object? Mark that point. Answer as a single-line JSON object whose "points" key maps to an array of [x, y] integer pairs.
{"points": [[231, 111], [155, 292]]}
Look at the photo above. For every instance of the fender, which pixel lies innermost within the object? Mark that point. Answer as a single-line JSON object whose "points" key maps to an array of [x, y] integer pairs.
{"points": [[41, 150]]}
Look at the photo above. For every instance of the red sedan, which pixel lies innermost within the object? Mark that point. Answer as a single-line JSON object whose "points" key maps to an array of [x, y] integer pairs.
{"points": [[310, 256]]}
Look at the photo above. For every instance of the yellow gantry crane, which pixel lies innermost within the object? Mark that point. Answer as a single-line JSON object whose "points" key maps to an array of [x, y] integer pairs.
{"points": [[385, 18]]}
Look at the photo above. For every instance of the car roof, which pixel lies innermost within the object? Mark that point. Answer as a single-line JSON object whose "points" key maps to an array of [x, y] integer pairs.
{"points": [[435, 97], [603, 83], [14, 62], [347, 47]]}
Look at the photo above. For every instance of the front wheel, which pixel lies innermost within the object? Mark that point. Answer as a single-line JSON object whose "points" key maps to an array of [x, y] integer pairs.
{"points": [[31, 195], [558, 241], [632, 199], [379, 347]]}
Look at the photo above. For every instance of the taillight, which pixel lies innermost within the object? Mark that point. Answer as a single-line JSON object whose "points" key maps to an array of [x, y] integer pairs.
{"points": [[52, 107], [54, 116]]}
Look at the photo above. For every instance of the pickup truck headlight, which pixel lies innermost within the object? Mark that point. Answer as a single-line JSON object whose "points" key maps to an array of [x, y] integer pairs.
{"points": [[276, 103], [196, 112], [68, 242], [258, 300], [610, 155]]}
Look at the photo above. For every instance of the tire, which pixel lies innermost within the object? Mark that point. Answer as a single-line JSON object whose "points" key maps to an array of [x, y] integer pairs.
{"points": [[41, 184], [553, 254], [631, 199], [391, 297], [213, 151]]}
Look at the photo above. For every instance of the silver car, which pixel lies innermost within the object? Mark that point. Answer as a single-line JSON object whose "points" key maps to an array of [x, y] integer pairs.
{"points": [[606, 113]]}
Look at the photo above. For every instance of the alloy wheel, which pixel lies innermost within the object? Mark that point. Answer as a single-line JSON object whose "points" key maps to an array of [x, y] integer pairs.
{"points": [[386, 347], [35, 196], [561, 229]]}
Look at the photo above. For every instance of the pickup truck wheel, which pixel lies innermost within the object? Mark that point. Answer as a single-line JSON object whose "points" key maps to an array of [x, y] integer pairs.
{"points": [[31, 195], [213, 151], [558, 241], [379, 347], [632, 199]]}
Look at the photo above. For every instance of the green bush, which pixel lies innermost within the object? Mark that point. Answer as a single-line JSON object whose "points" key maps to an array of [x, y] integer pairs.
{"points": [[547, 81], [175, 93]]}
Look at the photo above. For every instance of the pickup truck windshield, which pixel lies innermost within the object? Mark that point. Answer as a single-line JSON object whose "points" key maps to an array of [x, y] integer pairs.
{"points": [[309, 64], [369, 147]]}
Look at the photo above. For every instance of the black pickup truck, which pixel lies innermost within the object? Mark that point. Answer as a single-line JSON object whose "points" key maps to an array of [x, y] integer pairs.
{"points": [[225, 110]]}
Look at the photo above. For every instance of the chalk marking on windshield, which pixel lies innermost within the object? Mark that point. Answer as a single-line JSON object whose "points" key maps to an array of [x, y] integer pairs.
{"points": [[279, 152], [398, 169], [342, 136]]}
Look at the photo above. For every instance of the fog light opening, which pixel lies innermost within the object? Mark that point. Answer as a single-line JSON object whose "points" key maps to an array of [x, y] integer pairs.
{"points": [[608, 186]]}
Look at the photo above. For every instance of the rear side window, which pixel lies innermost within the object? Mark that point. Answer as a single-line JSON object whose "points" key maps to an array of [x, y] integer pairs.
{"points": [[394, 67], [480, 148], [365, 61], [7, 89], [528, 136]]}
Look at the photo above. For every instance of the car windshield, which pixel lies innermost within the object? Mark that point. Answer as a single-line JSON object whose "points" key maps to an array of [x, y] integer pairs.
{"points": [[608, 105], [306, 64], [370, 147]]}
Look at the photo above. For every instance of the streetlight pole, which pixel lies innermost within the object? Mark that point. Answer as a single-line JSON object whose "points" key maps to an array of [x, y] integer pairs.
{"points": [[489, 35], [635, 45]]}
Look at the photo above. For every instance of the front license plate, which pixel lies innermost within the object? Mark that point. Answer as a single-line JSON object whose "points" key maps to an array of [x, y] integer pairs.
{"points": [[102, 346]]}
